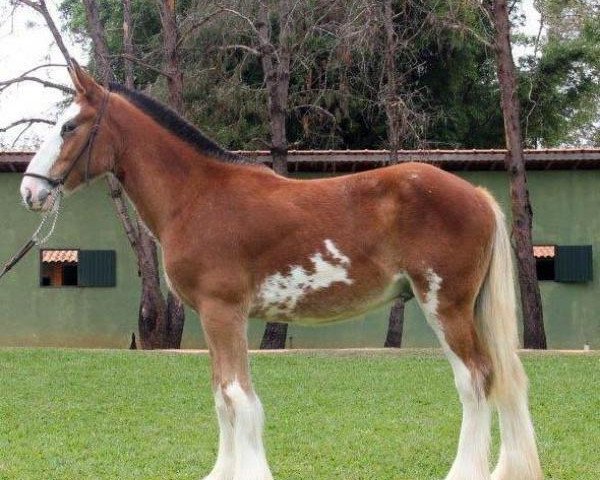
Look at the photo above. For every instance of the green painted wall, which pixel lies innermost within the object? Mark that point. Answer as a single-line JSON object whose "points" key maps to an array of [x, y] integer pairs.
{"points": [[566, 205]]}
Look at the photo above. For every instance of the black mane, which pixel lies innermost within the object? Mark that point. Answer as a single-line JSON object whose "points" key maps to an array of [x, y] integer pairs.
{"points": [[174, 123]]}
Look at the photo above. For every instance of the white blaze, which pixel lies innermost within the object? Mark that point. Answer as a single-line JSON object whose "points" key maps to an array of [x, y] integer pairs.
{"points": [[46, 156], [280, 293]]}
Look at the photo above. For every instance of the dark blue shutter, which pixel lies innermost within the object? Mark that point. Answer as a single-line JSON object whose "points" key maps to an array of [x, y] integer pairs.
{"points": [[97, 268], [573, 263]]}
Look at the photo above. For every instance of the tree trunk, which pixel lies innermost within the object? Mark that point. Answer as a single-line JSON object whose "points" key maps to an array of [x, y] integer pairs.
{"points": [[176, 316], [274, 337], [395, 325], [96, 31], [276, 71], [390, 93], [128, 44], [153, 320], [157, 329], [172, 59], [533, 322]]}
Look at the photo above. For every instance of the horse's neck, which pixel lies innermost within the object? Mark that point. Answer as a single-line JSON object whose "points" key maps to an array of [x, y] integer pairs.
{"points": [[161, 175]]}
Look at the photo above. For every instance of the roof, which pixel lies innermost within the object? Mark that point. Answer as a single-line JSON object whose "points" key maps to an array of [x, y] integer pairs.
{"points": [[544, 251], [356, 160], [60, 256], [14, 161]]}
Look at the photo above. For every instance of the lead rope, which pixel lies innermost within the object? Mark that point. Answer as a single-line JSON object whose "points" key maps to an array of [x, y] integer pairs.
{"points": [[51, 216]]}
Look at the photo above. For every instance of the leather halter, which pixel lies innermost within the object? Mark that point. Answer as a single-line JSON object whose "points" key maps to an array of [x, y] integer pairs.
{"points": [[86, 147]]}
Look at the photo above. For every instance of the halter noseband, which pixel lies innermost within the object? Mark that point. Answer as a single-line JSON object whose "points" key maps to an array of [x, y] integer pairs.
{"points": [[86, 147]]}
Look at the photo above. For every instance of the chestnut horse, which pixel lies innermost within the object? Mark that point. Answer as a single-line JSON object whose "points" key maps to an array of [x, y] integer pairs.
{"points": [[239, 241]]}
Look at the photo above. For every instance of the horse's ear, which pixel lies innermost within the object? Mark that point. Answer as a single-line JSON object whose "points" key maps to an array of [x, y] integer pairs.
{"points": [[83, 81], [71, 69]]}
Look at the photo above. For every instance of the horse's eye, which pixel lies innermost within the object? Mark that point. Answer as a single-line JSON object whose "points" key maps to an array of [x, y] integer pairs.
{"points": [[68, 127]]}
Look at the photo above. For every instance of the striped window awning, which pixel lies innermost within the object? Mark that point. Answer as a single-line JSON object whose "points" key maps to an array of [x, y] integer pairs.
{"points": [[60, 256], [544, 251]]}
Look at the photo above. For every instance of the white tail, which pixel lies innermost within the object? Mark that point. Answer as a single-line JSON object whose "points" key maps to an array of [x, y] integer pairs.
{"points": [[496, 318]]}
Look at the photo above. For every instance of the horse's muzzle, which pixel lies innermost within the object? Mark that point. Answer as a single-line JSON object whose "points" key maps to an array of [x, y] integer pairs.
{"points": [[35, 194]]}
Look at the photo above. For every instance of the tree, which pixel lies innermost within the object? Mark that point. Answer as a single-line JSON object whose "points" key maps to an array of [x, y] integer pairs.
{"points": [[280, 27], [171, 56], [275, 60], [402, 120], [160, 320], [522, 215], [561, 79]]}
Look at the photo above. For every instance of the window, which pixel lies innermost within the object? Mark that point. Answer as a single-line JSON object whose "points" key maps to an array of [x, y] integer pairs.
{"points": [[544, 261], [81, 268], [564, 263]]}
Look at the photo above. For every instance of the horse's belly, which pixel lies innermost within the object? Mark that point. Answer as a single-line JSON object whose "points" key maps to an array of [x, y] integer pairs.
{"points": [[322, 296]]}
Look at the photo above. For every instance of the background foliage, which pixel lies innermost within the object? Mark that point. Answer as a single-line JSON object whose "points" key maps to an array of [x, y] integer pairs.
{"points": [[446, 66]]}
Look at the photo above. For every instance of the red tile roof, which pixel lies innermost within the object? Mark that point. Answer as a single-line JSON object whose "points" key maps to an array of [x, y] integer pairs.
{"points": [[544, 251], [60, 256], [355, 160]]}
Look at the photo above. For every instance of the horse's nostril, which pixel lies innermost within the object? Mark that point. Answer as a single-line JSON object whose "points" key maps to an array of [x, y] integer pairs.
{"points": [[43, 195], [28, 196]]}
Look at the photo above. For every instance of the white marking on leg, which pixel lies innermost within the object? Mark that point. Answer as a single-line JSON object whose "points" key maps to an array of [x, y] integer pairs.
{"points": [[249, 453], [280, 293], [225, 464], [471, 460]]}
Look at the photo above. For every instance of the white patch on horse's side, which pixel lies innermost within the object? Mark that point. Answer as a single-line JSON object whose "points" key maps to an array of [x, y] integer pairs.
{"points": [[250, 462], [280, 293], [335, 253], [46, 156]]}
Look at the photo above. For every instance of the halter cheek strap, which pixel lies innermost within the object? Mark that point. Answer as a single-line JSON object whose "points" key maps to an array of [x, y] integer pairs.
{"points": [[86, 147]]}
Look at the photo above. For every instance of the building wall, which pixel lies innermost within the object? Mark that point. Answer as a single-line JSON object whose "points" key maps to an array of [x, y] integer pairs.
{"points": [[566, 205]]}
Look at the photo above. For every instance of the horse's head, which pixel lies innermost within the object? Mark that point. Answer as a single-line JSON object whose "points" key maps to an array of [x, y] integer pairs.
{"points": [[79, 146]]}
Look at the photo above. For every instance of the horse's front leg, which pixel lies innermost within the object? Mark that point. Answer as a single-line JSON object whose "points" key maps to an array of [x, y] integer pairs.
{"points": [[241, 453]]}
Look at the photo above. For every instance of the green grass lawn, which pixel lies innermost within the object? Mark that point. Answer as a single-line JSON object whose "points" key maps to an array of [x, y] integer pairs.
{"points": [[131, 415]]}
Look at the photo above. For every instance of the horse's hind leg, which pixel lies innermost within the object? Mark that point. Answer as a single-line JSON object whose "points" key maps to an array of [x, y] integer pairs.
{"points": [[454, 324], [241, 454], [472, 376]]}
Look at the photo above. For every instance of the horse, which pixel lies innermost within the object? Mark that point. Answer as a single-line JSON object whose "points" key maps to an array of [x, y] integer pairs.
{"points": [[239, 240]]}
